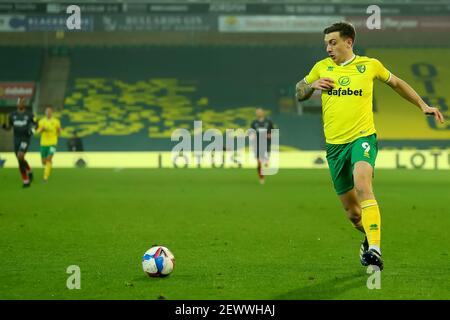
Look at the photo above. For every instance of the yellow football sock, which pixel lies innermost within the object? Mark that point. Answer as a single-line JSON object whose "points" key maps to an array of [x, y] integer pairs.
{"points": [[47, 170], [371, 220]]}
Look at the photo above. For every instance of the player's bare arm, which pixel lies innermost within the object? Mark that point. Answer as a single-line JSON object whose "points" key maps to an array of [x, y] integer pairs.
{"points": [[407, 92], [304, 91]]}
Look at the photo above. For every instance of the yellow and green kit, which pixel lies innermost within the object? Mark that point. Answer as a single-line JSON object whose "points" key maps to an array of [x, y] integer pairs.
{"points": [[348, 114]]}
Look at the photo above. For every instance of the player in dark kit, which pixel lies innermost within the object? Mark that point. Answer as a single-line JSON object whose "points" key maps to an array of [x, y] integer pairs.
{"points": [[24, 124], [262, 126]]}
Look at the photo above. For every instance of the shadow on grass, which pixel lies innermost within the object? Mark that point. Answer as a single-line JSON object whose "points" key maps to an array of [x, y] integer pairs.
{"points": [[327, 290]]}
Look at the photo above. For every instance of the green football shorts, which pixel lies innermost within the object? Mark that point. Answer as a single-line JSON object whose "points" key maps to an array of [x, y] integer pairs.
{"points": [[47, 151], [342, 158]]}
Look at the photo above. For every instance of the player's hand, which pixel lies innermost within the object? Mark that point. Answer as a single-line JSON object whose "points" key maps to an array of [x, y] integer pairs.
{"points": [[431, 111], [323, 84]]}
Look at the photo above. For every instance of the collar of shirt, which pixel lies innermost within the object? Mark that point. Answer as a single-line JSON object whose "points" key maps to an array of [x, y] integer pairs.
{"points": [[348, 61]]}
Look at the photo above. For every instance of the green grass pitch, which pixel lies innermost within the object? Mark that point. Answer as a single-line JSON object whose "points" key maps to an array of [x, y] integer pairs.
{"points": [[232, 238]]}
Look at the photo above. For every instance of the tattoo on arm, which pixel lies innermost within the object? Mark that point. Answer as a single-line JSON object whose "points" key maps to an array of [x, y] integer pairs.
{"points": [[303, 91]]}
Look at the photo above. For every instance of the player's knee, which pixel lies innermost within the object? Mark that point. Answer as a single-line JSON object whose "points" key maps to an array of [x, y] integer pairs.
{"points": [[364, 191], [363, 184]]}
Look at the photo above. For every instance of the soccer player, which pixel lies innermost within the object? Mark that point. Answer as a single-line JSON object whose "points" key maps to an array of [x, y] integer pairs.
{"points": [[23, 124], [50, 129], [346, 84], [262, 127]]}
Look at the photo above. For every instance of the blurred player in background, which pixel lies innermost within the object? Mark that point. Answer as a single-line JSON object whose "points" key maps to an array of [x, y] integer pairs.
{"points": [[346, 82], [262, 127], [50, 128], [75, 143], [23, 124]]}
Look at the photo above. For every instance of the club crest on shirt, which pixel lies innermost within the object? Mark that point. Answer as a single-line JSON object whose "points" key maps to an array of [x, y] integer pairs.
{"points": [[344, 81], [361, 68]]}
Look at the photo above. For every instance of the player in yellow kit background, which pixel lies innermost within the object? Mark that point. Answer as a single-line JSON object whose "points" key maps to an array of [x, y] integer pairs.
{"points": [[50, 128], [346, 82]]}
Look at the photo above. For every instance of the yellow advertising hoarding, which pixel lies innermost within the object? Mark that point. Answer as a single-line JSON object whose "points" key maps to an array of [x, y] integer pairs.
{"points": [[387, 159]]}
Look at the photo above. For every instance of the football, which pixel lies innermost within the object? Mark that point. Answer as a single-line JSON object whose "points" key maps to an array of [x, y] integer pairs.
{"points": [[158, 261]]}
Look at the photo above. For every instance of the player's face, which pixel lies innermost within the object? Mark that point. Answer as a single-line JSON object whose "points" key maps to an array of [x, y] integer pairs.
{"points": [[259, 113], [338, 48], [48, 112], [21, 104]]}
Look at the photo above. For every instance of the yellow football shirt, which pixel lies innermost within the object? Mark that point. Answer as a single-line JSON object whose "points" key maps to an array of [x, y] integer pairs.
{"points": [[347, 108], [50, 127]]}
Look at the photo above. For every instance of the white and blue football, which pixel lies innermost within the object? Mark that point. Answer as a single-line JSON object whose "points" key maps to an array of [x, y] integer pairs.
{"points": [[158, 261]]}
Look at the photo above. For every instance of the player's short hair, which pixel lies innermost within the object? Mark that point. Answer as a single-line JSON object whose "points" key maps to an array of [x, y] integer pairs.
{"points": [[346, 30]]}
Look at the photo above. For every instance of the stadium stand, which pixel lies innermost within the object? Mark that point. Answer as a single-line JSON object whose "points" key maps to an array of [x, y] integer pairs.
{"points": [[132, 98], [20, 63]]}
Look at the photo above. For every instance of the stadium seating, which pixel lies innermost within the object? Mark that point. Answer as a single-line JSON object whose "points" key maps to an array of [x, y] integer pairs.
{"points": [[20, 63], [132, 98]]}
